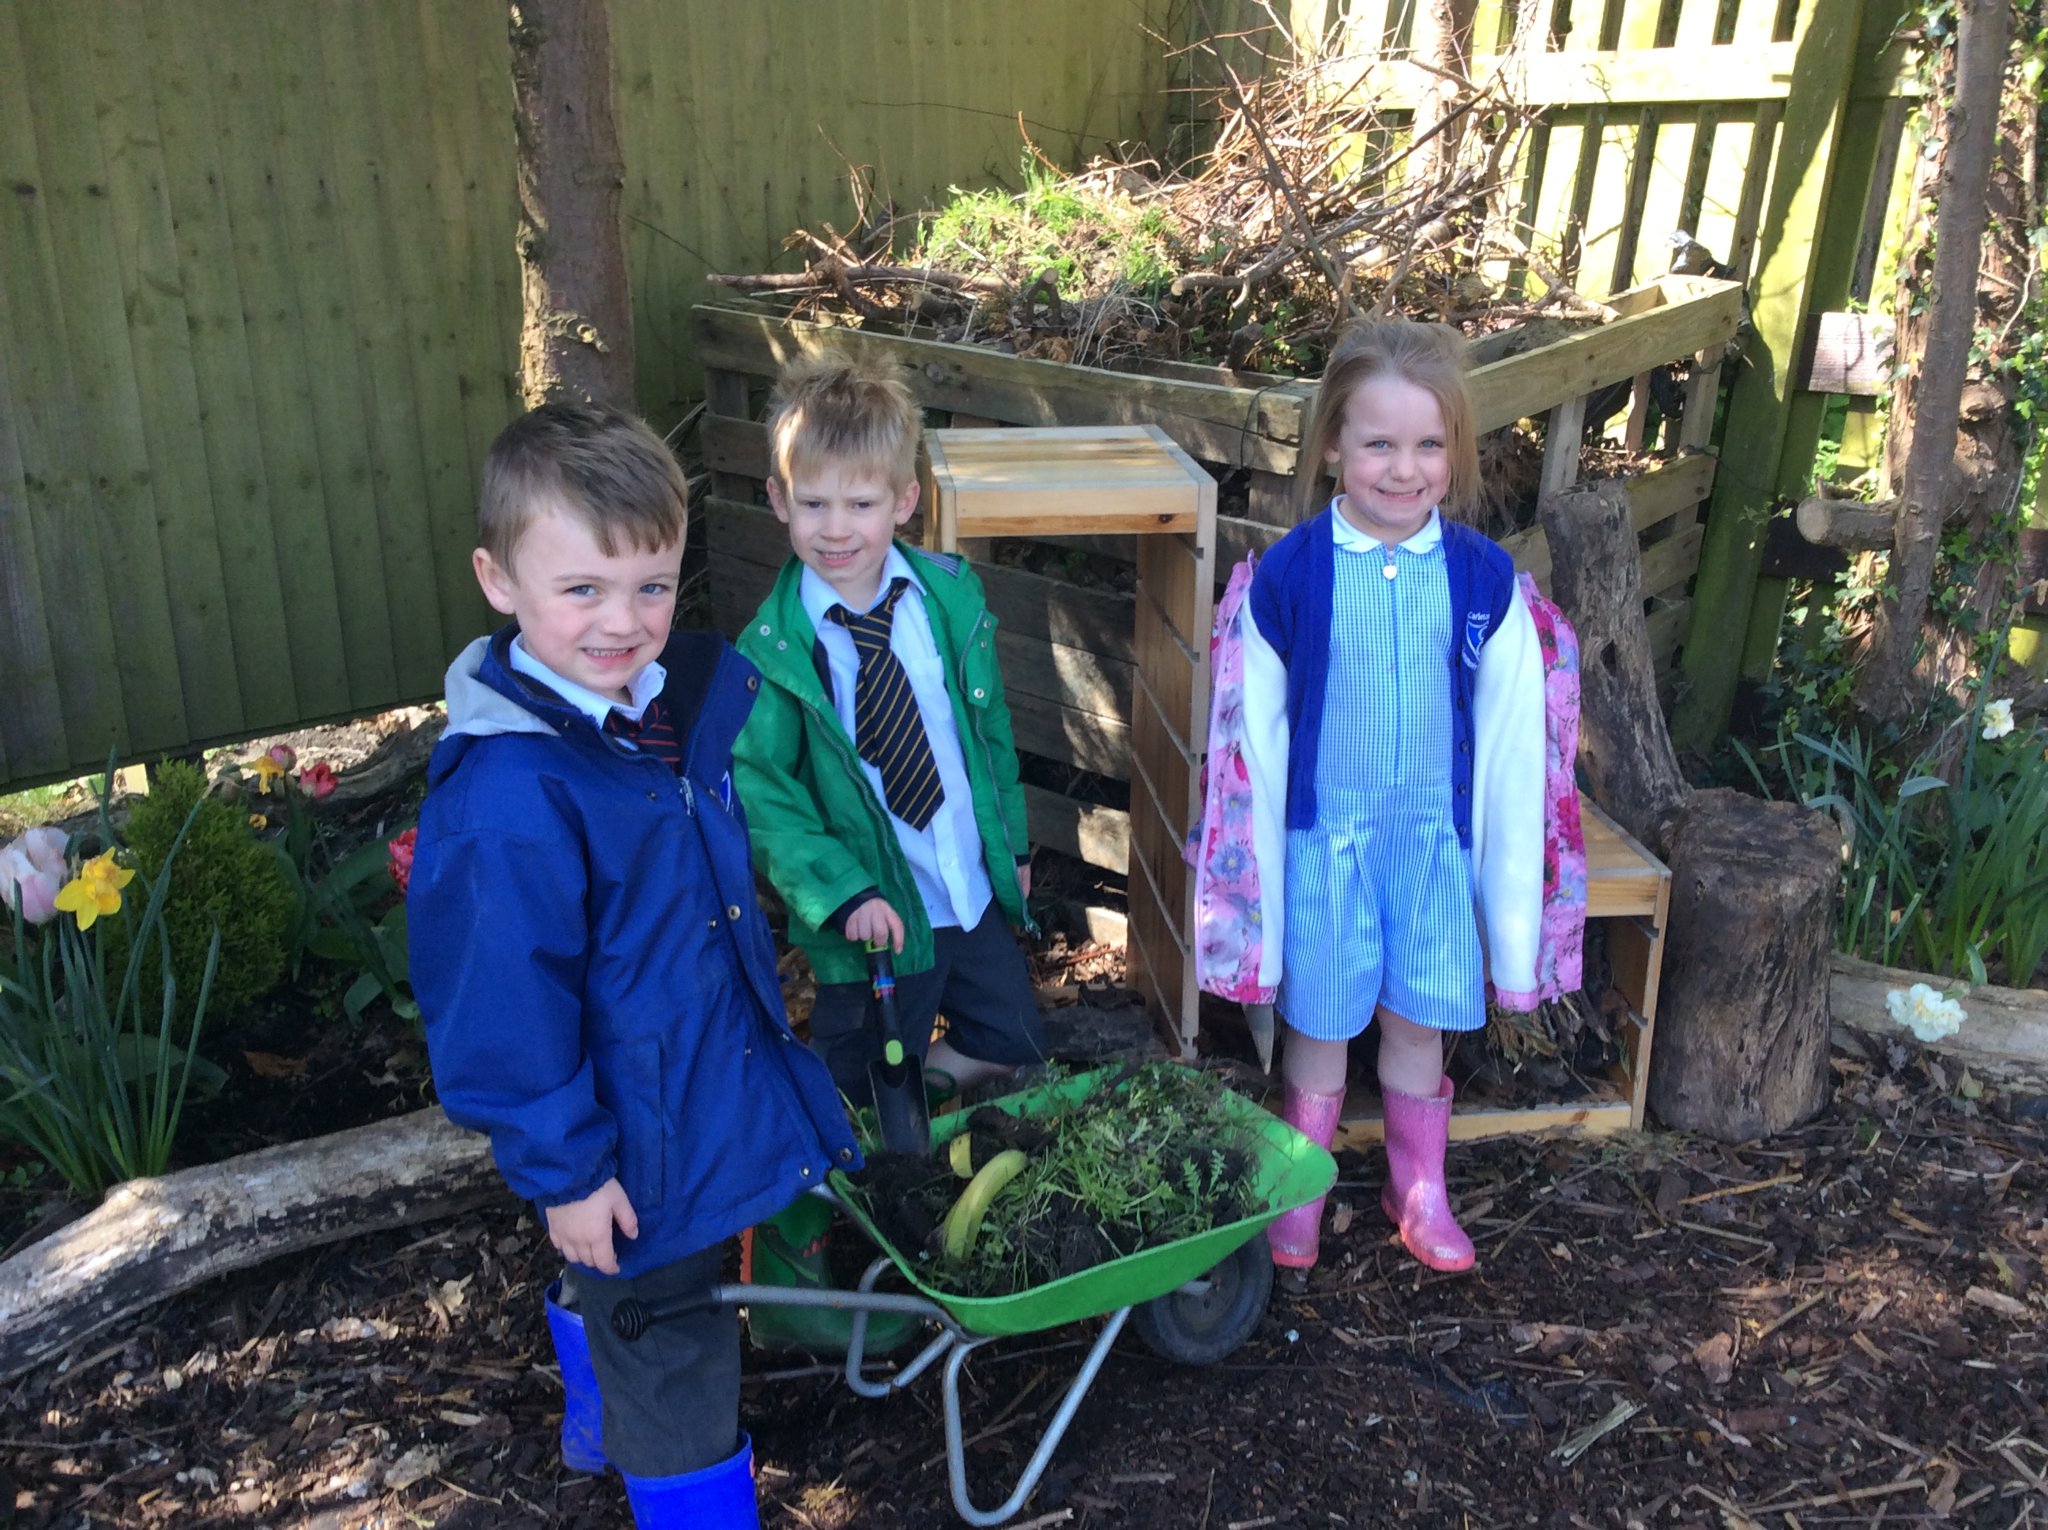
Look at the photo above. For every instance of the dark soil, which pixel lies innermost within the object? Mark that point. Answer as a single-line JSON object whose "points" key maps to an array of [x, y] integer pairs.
{"points": [[1846, 1325]]}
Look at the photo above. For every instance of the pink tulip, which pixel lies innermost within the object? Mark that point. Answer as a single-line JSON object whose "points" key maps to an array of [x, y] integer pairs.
{"points": [[400, 849], [32, 872], [318, 780], [284, 755]]}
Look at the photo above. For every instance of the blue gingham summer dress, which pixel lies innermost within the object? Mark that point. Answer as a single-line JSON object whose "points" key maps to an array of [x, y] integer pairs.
{"points": [[1379, 891]]}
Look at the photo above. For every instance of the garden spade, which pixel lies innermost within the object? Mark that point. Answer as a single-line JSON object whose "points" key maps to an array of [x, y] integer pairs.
{"points": [[895, 1076]]}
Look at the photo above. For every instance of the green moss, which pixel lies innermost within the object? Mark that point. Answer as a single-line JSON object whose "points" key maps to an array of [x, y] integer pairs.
{"points": [[223, 876]]}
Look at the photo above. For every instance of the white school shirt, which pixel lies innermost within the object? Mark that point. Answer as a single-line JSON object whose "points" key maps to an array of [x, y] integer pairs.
{"points": [[946, 854], [645, 687]]}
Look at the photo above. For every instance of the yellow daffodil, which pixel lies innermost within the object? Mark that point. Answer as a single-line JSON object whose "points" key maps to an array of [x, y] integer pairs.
{"points": [[96, 890], [268, 771]]}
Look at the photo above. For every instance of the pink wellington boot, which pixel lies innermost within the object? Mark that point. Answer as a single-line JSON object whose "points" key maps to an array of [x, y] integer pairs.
{"points": [[1414, 1198], [1296, 1235]]}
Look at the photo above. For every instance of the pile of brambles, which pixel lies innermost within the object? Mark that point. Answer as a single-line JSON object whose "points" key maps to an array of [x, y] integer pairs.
{"points": [[1146, 1157]]}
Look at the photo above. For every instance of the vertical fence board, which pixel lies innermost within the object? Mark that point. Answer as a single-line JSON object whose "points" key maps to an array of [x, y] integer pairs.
{"points": [[35, 738], [475, 201], [430, 316], [312, 223], [214, 351], [57, 507], [88, 306], [194, 546], [358, 75], [281, 424]]}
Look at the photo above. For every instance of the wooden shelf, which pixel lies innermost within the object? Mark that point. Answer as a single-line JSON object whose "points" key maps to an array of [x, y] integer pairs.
{"points": [[1067, 481]]}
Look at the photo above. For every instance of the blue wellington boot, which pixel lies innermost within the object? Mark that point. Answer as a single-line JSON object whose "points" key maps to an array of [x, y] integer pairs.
{"points": [[720, 1497], [582, 1410]]}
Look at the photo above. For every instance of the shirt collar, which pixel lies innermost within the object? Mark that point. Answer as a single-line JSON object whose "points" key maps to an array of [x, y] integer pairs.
{"points": [[819, 597], [646, 686], [1351, 539]]}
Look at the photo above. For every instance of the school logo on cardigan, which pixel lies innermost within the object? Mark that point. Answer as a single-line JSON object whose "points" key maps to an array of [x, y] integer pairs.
{"points": [[1476, 623]]}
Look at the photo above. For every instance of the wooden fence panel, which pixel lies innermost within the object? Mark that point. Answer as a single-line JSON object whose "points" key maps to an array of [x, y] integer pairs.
{"points": [[259, 305]]}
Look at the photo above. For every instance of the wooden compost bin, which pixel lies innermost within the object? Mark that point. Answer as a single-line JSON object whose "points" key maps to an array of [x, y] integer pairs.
{"points": [[1069, 654]]}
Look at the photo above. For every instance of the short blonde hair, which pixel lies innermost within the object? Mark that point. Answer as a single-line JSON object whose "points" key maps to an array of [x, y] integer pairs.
{"points": [[1428, 356], [835, 407], [604, 466]]}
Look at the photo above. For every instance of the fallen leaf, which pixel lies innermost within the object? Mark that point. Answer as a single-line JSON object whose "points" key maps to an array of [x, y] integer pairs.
{"points": [[270, 1065], [1716, 1358], [1342, 1218], [409, 1468]]}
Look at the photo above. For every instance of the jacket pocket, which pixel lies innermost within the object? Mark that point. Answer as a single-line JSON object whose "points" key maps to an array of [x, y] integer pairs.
{"points": [[643, 1126]]}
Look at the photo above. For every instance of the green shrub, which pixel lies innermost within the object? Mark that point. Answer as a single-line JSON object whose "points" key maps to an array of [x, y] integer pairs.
{"points": [[223, 876]]}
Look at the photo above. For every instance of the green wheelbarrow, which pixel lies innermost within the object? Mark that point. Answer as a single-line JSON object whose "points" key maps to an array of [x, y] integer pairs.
{"points": [[1193, 1301]]}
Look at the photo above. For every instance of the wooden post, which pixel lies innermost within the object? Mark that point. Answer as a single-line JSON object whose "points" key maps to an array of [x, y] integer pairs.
{"points": [[1758, 411], [1854, 190], [1742, 1028]]}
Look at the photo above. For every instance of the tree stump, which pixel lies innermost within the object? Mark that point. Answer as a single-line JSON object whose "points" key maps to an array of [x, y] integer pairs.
{"points": [[1596, 578], [1742, 1021]]}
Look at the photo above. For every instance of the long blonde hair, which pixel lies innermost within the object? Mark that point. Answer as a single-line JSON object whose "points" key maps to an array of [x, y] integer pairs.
{"points": [[1427, 356]]}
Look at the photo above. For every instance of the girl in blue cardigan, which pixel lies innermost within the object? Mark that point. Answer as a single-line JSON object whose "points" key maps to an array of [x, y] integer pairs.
{"points": [[1394, 742]]}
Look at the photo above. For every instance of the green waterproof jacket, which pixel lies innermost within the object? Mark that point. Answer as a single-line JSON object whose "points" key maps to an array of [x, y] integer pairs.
{"points": [[819, 831]]}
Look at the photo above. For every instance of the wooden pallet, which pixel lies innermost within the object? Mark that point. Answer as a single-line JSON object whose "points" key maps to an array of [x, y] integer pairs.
{"points": [[1629, 891]]}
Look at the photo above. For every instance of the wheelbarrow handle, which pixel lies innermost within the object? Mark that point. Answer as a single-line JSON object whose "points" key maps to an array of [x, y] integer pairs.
{"points": [[631, 1317]]}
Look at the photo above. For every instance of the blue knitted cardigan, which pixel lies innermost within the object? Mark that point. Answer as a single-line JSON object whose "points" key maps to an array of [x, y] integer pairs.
{"points": [[1291, 598]]}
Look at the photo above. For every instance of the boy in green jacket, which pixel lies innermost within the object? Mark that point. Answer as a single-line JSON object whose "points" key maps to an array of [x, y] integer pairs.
{"points": [[877, 769]]}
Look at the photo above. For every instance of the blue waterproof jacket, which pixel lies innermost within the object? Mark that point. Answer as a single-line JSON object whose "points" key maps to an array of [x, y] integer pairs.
{"points": [[598, 984]]}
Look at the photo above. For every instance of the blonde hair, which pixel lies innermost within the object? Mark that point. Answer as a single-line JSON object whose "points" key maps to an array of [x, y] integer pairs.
{"points": [[602, 465], [835, 407], [1427, 356]]}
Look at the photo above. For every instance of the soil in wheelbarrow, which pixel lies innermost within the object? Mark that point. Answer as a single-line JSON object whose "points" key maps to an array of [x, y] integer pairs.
{"points": [[1148, 1155]]}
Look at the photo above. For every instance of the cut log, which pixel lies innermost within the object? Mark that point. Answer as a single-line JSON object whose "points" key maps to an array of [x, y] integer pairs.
{"points": [[2005, 1036], [152, 1238], [1596, 578], [1742, 1018]]}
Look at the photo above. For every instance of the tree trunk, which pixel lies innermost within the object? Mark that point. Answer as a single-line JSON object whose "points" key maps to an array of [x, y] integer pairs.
{"points": [[1741, 1048], [1932, 359], [1441, 40], [1596, 578], [576, 341], [152, 1238]]}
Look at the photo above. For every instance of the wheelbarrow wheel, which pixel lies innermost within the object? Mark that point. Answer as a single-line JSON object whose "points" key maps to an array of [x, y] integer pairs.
{"points": [[1192, 1329]]}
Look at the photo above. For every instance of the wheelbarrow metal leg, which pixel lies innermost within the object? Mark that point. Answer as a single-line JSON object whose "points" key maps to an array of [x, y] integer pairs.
{"points": [[865, 1299], [956, 1447]]}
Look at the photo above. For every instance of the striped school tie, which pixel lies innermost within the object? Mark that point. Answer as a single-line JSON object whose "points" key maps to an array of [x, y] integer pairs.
{"points": [[889, 732]]}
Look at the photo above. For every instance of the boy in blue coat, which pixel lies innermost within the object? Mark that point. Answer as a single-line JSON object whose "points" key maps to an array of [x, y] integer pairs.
{"points": [[598, 984]]}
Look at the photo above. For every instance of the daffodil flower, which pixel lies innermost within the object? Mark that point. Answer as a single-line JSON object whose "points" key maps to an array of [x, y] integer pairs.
{"points": [[96, 890], [268, 772], [1926, 1013], [1997, 718]]}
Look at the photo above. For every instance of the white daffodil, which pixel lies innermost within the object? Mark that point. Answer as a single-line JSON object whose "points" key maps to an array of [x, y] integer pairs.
{"points": [[1925, 1012], [1998, 718]]}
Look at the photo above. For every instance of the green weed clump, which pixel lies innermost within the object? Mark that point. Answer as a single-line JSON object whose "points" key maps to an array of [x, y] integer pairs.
{"points": [[1088, 241], [223, 877]]}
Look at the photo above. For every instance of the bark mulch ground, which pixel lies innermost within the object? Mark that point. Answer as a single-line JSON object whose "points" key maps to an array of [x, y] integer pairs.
{"points": [[1845, 1326]]}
